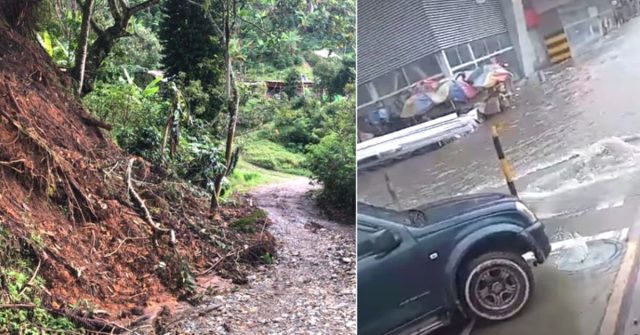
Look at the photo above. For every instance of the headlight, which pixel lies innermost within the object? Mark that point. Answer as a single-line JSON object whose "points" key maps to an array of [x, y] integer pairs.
{"points": [[522, 208]]}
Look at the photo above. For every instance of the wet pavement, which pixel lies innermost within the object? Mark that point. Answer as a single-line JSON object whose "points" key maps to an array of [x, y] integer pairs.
{"points": [[574, 143]]}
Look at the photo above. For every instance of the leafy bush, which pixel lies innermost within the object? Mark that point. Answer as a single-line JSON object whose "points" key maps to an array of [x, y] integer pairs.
{"points": [[332, 161], [257, 112], [140, 140], [200, 162], [138, 54], [124, 103], [291, 83], [300, 123]]}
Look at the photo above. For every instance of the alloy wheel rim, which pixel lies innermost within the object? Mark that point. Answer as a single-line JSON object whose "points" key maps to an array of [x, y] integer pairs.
{"points": [[497, 288]]}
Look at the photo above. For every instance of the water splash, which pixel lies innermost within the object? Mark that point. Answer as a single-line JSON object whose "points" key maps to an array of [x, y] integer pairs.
{"points": [[586, 159], [606, 159]]}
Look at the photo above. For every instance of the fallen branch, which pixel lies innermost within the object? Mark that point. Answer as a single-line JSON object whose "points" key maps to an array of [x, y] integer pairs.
{"points": [[93, 324], [235, 252], [95, 123], [118, 248], [10, 164], [140, 202], [123, 242]]}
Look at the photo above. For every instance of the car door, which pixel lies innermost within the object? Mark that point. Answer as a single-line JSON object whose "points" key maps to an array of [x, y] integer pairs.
{"points": [[395, 286]]}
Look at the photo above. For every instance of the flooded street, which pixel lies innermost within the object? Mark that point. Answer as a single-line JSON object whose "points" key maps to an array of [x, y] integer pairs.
{"points": [[574, 143], [575, 123]]}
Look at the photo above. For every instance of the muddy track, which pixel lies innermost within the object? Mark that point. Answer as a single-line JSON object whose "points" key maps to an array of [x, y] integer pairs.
{"points": [[309, 290]]}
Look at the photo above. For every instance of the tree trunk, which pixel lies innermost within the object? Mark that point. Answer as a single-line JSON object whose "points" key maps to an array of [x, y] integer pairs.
{"points": [[233, 120], [232, 107], [96, 54], [231, 133], [165, 137], [83, 42], [102, 46]]}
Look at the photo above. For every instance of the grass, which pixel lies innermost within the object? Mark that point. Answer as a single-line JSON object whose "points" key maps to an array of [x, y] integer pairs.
{"points": [[263, 162], [273, 156], [247, 176], [249, 223]]}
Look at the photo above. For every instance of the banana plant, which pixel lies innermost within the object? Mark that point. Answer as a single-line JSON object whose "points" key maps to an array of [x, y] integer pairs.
{"points": [[60, 54], [178, 114]]}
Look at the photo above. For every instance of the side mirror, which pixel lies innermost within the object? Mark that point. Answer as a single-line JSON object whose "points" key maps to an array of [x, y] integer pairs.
{"points": [[385, 242]]}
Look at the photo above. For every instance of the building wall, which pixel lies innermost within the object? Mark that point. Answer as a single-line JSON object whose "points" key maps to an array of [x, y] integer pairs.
{"points": [[391, 34], [581, 20], [455, 22]]}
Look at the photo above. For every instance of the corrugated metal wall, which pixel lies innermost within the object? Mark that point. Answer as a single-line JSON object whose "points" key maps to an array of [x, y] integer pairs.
{"points": [[390, 34], [455, 22], [394, 33]]}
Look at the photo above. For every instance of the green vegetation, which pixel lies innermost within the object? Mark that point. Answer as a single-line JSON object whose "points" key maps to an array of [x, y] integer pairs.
{"points": [[192, 49], [250, 224], [19, 286], [274, 156], [332, 160], [246, 177], [214, 57]]}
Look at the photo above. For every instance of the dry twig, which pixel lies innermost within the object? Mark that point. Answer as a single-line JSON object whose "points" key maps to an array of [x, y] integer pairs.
{"points": [[140, 202], [35, 273]]}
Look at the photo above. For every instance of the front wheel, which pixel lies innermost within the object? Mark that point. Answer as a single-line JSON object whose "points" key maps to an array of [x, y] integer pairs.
{"points": [[497, 285]]}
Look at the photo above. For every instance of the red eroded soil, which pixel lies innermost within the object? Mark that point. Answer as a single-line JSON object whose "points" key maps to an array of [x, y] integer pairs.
{"points": [[63, 193]]}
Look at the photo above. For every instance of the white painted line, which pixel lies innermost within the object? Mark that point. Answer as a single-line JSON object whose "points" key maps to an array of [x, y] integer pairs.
{"points": [[618, 235]]}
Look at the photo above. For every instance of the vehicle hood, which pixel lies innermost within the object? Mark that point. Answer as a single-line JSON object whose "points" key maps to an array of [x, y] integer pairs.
{"points": [[447, 208]]}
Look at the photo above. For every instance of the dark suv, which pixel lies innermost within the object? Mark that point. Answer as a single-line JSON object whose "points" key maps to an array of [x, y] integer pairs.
{"points": [[419, 269]]}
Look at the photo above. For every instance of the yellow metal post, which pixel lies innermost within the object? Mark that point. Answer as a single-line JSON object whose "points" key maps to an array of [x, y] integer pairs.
{"points": [[507, 171]]}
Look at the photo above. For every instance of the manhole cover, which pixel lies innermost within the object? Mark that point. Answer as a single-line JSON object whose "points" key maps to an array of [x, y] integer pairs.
{"points": [[586, 256]]}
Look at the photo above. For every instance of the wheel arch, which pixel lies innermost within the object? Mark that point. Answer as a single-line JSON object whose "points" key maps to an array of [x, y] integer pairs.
{"points": [[498, 237]]}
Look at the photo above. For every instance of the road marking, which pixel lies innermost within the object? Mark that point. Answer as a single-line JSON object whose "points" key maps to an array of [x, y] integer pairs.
{"points": [[612, 317], [618, 235], [613, 320]]}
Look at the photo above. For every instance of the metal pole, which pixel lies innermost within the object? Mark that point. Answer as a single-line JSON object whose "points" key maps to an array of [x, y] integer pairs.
{"points": [[392, 191], [507, 171]]}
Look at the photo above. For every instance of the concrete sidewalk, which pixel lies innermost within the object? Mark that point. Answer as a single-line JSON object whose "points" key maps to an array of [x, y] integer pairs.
{"points": [[630, 318]]}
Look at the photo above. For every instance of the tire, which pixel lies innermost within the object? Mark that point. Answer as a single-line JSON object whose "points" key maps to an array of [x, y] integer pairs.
{"points": [[497, 285]]}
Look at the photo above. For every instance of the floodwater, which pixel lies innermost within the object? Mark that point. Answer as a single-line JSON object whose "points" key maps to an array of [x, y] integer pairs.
{"points": [[574, 143], [573, 137]]}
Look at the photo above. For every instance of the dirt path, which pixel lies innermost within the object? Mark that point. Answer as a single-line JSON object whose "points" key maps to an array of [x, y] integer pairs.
{"points": [[310, 289]]}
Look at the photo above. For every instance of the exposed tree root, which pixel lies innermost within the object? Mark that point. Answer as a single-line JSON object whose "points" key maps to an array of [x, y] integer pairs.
{"points": [[56, 166]]}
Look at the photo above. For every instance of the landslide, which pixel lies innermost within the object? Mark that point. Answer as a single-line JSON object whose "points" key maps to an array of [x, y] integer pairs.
{"points": [[64, 197]]}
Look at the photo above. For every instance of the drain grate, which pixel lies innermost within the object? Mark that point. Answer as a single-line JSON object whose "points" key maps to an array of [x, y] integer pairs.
{"points": [[591, 255]]}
